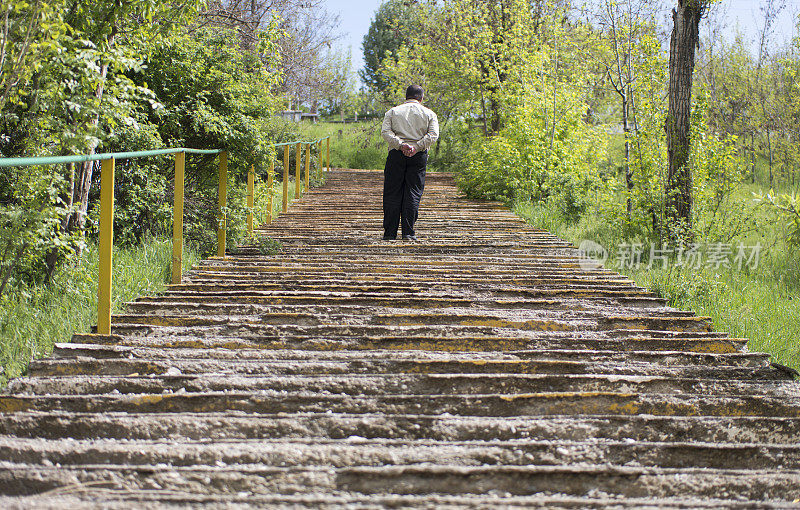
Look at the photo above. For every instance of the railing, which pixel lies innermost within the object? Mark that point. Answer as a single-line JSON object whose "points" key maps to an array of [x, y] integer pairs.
{"points": [[106, 226]]}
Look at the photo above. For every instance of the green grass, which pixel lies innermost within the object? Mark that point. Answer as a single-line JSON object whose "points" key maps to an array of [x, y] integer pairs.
{"points": [[760, 304], [358, 146], [261, 205], [36, 317], [751, 305]]}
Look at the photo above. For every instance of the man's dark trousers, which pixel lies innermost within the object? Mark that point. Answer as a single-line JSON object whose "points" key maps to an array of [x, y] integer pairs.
{"points": [[403, 182]]}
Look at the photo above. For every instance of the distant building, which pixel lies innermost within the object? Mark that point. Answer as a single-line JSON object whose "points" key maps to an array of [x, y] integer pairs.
{"points": [[299, 116], [291, 115]]}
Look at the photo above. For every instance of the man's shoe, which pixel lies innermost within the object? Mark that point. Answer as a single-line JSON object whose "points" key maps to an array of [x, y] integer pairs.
{"points": [[409, 238], [387, 238]]}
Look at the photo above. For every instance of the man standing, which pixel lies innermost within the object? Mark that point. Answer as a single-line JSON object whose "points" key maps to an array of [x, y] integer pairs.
{"points": [[409, 129]]}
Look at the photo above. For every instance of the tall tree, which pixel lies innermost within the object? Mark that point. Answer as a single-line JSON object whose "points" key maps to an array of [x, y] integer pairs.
{"points": [[770, 11], [114, 29], [386, 35], [308, 32], [683, 43], [626, 24]]}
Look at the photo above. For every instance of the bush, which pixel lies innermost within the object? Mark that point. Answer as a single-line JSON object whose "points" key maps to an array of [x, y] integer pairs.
{"points": [[787, 207], [529, 162]]}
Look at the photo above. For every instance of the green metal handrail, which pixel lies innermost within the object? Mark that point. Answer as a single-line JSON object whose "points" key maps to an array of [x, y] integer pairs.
{"points": [[106, 234], [82, 158]]}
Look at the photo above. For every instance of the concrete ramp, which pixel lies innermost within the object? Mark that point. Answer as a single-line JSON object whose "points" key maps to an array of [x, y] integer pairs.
{"points": [[481, 367]]}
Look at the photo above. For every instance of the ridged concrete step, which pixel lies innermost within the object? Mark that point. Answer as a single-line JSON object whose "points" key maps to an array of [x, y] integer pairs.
{"points": [[210, 277], [92, 496], [235, 425], [483, 367], [395, 384], [632, 482], [68, 351], [549, 318], [246, 336], [359, 451], [223, 303], [333, 287], [501, 404], [178, 366], [376, 272], [544, 301]]}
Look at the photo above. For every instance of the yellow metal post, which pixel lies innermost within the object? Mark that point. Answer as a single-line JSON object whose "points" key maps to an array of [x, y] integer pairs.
{"points": [[328, 151], [251, 184], [223, 201], [308, 164], [298, 162], [285, 178], [319, 158], [270, 180], [177, 218], [106, 246]]}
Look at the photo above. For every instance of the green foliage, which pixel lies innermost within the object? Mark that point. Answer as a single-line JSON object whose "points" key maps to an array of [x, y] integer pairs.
{"points": [[456, 138], [527, 162], [386, 35], [81, 77], [267, 246], [31, 34], [211, 95], [788, 208], [142, 188], [30, 214], [340, 83], [38, 316], [150, 86], [66, 92], [359, 146]]}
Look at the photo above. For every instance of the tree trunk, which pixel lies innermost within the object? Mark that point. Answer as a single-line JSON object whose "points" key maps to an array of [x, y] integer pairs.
{"points": [[626, 129], [494, 108], [51, 259], [84, 178], [769, 148], [483, 107], [683, 42]]}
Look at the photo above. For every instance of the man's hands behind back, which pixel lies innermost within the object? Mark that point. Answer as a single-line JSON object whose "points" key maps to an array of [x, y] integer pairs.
{"points": [[408, 150]]}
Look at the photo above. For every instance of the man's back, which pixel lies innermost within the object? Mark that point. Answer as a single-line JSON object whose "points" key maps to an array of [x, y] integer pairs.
{"points": [[410, 123]]}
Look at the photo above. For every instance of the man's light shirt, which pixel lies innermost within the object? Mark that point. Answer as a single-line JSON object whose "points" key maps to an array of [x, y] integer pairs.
{"points": [[410, 123]]}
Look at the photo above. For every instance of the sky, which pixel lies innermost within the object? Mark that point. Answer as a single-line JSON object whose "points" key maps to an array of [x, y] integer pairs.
{"points": [[746, 15], [356, 16]]}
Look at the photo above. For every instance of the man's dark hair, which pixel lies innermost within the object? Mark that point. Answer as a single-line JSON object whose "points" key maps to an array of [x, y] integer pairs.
{"points": [[415, 92]]}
